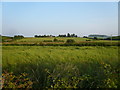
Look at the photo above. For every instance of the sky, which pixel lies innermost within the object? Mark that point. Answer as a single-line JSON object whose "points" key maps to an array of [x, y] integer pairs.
{"points": [[54, 18]]}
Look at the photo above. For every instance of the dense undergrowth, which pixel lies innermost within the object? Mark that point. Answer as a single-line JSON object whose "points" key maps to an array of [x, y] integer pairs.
{"points": [[61, 67]]}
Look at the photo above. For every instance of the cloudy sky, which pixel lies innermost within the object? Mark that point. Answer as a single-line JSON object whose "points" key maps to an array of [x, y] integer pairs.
{"points": [[81, 18]]}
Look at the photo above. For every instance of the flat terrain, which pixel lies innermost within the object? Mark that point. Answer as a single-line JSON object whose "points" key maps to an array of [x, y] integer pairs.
{"points": [[53, 62], [64, 66], [61, 41], [41, 39]]}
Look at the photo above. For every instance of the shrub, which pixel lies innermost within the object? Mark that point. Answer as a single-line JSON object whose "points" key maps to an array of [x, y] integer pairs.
{"points": [[69, 76], [70, 41], [63, 76], [55, 40], [12, 81], [47, 41], [95, 38], [18, 37]]}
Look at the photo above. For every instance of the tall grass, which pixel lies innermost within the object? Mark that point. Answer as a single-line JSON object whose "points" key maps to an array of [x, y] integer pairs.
{"points": [[64, 67]]}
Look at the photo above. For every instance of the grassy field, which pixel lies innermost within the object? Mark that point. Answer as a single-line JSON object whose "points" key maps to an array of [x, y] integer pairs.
{"points": [[64, 66], [36, 40], [61, 41], [50, 38]]}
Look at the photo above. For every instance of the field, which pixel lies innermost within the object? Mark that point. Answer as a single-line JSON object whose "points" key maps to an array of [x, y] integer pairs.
{"points": [[62, 66], [50, 38], [36, 40], [60, 41]]}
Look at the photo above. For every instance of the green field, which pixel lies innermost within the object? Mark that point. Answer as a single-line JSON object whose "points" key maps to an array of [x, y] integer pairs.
{"points": [[60, 41], [64, 66], [77, 39], [50, 38]]}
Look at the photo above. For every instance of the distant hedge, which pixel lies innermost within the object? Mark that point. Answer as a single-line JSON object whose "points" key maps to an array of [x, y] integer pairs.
{"points": [[69, 44]]}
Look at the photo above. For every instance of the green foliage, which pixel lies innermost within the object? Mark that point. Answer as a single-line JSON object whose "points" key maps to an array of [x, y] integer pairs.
{"points": [[114, 38], [68, 76], [95, 38], [18, 37], [70, 41], [63, 76], [58, 41], [64, 67], [25, 39], [55, 40], [47, 41], [6, 39]]}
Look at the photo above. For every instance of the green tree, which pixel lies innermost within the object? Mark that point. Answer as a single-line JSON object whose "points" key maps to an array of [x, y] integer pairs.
{"points": [[70, 41], [68, 35], [55, 40]]}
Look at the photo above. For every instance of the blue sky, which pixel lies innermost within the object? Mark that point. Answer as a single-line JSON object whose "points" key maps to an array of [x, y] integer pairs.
{"points": [[81, 18]]}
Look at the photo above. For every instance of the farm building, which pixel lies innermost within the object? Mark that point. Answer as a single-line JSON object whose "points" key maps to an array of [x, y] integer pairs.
{"points": [[98, 36]]}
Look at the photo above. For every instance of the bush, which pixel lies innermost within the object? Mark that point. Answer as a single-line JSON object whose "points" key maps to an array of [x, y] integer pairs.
{"points": [[12, 81], [70, 41], [63, 76], [18, 37], [68, 76], [47, 41], [95, 38], [55, 40]]}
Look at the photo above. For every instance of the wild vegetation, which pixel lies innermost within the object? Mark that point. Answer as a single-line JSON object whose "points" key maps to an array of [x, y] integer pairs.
{"points": [[60, 62], [62, 67]]}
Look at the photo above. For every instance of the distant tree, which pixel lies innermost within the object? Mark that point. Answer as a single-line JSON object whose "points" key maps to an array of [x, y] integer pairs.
{"points": [[95, 38], [64, 35], [72, 35], [75, 35], [44, 35], [61, 35], [84, 36], [50, 35], [35, 36], [18, 37], [68, 35]]}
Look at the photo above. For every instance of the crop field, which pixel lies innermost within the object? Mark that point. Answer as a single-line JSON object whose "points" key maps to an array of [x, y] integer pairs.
{"points": [[59, 45], [77, 39], [59, 41], [50, 38], [61, 66], [27, 40]]}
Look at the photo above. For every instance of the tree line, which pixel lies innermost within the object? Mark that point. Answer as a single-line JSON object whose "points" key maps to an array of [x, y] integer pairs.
{"points": [[60, 35]]}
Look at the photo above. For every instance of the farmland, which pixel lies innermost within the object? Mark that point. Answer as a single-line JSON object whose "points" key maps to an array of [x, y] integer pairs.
{"points": [[63, 66], [61, 41], [59, 45]]}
